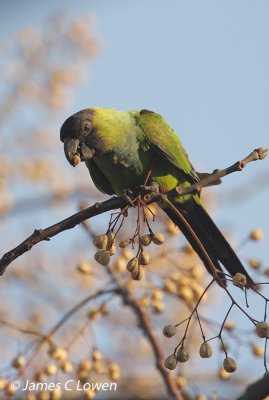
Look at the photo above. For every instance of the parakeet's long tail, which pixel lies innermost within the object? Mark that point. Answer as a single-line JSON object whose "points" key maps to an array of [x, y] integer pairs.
{"points": [[216, 246]]}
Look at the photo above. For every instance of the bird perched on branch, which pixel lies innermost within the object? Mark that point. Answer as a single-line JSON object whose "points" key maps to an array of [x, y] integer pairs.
{"points": [[124, 150]]}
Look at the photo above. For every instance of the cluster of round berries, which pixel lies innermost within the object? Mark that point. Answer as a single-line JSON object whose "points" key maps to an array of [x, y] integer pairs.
{"points": [[107, 247]]}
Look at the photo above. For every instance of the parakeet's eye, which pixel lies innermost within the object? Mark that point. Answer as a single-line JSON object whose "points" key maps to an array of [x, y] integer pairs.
{"points": [[86, 127]]}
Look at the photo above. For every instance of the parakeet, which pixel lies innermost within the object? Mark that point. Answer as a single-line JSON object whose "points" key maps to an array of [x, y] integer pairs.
{"points": [[120, 149]]}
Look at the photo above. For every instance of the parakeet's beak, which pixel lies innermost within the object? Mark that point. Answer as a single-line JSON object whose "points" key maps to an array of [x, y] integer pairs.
{"points": [[71, 150], [76, 151]]}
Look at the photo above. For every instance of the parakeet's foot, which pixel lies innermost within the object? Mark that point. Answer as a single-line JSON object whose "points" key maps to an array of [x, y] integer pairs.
{"points": [[143, 189], [131, 195], [128, 196]]}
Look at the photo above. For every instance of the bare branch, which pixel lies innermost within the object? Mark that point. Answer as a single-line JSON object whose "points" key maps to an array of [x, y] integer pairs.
{"points": [[45, 234], [257, 154], [119, 202], [146, 326], [149, 332]]}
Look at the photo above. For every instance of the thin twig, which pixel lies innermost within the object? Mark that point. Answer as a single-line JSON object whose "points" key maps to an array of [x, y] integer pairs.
{"points": [[257, 154]]}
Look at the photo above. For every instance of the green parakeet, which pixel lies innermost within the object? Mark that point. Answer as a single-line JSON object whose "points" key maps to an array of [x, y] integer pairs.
{"points": [[120, 148]]}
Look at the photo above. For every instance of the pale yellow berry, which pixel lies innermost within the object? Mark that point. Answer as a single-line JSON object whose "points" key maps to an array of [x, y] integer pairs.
{"points": [[185, 293], [94, 313], [183, 354], [254, 263], [127, 254], [229, 364], [266, 272], [50, 369], [98, 366], [169, 330], [158, 238], [102, 257], [58, 353], [158, 307], [3, 383], [257, 350], [114, 371], [137, 274], [262, 329], [67, 366], [18, 362], [145, 301], [82, 375], [56, 394], [124, 243], [110, 239], [101, 241], [40, 376], [180, 382], [30, 396], [84, 268], [171, 227], [97, 355], [143, 258], [188, 250], [89, 394], [9, 389], [120, 264], [157, 294], [170, 286], [132, 264], [196, 271], [112, 250], [181, 280], [223, 375], [198, 291], [170, 362], [229, 325], [104, 309], [85, 365], [239, 280], [256, 234], [205, 350], [146, 240]]}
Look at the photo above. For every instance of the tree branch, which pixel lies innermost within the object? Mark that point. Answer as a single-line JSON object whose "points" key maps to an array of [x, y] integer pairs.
{"points": [[149, 331], [257, 390], [45, 234], [257, 154], [146, 326], [119, 202]]}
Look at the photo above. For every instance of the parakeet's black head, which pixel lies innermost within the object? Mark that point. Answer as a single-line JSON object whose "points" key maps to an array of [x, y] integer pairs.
{"points": [[76, 133]]}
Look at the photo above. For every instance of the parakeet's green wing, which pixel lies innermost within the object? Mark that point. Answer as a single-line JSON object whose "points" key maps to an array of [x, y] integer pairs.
{"points": [[98, 178], [165, 142]]}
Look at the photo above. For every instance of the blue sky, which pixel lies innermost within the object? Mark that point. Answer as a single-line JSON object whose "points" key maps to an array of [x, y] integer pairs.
{"points": [[203, 65]]}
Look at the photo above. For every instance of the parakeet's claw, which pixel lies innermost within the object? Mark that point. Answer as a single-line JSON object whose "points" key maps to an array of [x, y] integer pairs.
{"points": [[154, 187], [128, 196], [142, 190]]}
